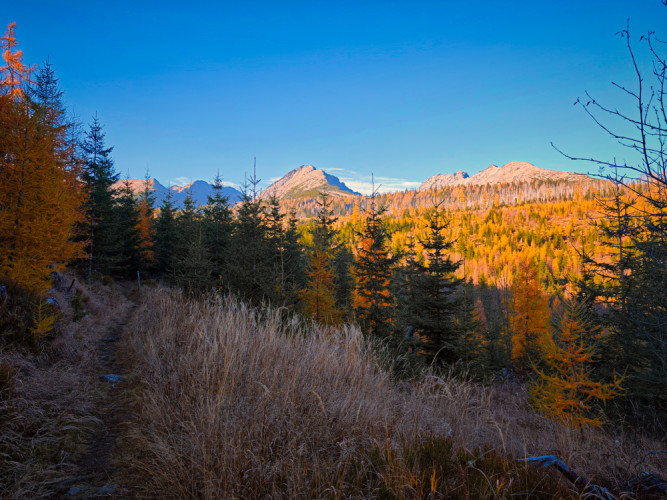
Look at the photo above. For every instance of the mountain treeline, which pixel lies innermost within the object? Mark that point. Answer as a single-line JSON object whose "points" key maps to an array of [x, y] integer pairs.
{"points": [[588, 336]]}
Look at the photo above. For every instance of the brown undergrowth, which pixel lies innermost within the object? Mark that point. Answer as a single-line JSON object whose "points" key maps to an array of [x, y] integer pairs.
{"points": [[235, 403], [48, 400]]}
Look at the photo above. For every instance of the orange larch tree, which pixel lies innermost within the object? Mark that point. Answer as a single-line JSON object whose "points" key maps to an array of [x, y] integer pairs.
{"points": [[564, 389], [14, 73], [40, 196], [529, 320]]}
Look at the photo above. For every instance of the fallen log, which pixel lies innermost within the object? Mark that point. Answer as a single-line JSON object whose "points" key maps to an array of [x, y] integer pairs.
{"points": [[579, 481]]}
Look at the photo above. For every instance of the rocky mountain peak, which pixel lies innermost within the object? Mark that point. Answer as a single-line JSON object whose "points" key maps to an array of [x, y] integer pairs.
{"points": [[441, 180], [306, 181]]}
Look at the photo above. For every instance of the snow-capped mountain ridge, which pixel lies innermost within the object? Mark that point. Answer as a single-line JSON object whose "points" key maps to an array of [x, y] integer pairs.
{"points": [[199, 189]]}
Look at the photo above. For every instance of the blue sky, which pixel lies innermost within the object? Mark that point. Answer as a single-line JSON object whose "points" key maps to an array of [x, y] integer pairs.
{"points": [[403, 90]]}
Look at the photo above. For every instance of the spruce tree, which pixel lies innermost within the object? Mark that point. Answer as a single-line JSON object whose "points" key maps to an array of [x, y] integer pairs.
{"points": [[217, 230], [192, 266], [99, 176], [404, 290], [633, 288], [293, 263], [434, 299], [373, 269], [275, 231], [166, 237], [128, 260], [343, 280], [252, 256]]}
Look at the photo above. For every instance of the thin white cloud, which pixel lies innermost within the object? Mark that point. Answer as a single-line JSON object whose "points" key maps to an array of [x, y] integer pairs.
{"points": [[350, 173], [364, 185], [232, 184], [180, 181]]}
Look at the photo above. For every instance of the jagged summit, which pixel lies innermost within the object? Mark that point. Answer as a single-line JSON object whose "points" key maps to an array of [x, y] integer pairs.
{"points": [[306, 181], [441, 180], [514, 171]]}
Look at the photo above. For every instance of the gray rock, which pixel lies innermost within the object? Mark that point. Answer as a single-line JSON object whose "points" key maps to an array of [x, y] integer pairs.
{"points": [[52, 302], [75, 490], [112, 378], [106, 490]]}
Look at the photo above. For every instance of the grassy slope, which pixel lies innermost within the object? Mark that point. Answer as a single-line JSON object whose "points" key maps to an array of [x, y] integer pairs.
{"points": [[235, 404], [229, 403]]}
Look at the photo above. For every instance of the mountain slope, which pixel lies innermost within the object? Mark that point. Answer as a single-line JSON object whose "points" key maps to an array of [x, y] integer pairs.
{"points": [[514, 171], [441, 180], [306, 182]]}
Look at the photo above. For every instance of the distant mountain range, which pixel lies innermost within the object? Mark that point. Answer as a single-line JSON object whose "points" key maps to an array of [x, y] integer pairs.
{"points": [[514, 171], [308, 181], [200, 191]]}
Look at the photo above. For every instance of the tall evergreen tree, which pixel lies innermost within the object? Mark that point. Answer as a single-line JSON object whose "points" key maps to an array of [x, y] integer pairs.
{"points": [[373, 269], [404, 290], [126, 213], [192, 267], [99, 176], [166, 238], [343, 280], [293, 263], [275, 231], [252, 256], [218, 228], [434, 299]]}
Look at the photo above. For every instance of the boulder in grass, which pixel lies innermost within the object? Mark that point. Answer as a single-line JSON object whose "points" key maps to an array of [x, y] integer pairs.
{"points": [[112, 378]]}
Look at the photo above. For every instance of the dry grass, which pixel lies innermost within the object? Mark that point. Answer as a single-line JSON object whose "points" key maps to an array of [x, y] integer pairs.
{"points": [[232, 403], [47, 409]]}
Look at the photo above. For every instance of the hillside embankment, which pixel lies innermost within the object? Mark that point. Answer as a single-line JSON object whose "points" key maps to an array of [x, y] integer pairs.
{"points": [[218, 400]]}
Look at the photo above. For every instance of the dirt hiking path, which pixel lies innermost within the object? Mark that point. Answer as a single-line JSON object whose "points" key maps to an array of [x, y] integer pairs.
{"points": [[93, 477]]}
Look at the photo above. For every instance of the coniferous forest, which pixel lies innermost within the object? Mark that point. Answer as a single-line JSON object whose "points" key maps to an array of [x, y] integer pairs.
{"points": [[415, 344]]}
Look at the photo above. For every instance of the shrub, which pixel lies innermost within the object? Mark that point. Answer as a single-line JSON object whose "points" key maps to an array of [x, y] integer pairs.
{"points": [[78, 303], [16, 315]]}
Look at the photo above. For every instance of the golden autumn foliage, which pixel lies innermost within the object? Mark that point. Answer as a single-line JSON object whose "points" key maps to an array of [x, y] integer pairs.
{"points": [[14, 73], [318, 297], [529, 320], [146, 227], [40, 196], [564, 389]]}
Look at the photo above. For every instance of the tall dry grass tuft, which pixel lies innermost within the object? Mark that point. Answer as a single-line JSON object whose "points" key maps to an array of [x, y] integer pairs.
{"points": [[47, 404], [236, 403]]}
